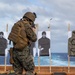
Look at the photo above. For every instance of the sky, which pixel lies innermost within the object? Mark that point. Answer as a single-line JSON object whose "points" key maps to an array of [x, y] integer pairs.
{"points": [[56, 13]]}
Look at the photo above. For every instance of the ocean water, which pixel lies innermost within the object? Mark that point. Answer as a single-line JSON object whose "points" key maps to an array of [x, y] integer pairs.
{"points": [[57, 59]]}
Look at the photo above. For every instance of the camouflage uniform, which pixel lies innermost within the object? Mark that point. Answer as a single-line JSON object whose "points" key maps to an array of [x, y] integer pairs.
{"points": [[71, 44], [22, 58]]}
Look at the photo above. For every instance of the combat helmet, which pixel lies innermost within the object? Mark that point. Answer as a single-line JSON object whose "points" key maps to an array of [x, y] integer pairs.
{"points": [[73, 33], [30, 15]]}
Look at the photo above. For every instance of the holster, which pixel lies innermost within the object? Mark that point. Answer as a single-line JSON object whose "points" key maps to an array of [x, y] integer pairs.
{"points": [[11, 56]]}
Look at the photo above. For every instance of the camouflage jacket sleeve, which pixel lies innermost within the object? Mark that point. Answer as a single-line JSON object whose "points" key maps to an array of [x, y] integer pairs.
{"points": [[30, 33]]}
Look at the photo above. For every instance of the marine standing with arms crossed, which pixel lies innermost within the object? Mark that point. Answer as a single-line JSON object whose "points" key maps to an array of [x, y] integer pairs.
{"points": [[22, 34]]}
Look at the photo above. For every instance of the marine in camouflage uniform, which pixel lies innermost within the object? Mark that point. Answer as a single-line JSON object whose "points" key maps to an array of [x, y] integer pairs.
{"points": [[22, 58], [71, 44]]}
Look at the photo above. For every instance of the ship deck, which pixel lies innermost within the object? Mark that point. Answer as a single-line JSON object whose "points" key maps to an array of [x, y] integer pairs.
{"points": [[44, 70]]}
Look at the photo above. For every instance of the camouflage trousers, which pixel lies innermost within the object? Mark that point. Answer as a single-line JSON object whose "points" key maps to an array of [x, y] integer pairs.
{"points": [[23, 60]]}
